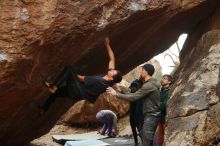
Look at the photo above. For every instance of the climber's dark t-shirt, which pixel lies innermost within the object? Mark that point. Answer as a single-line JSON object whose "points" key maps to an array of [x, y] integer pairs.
{"points": [[93, 86]]}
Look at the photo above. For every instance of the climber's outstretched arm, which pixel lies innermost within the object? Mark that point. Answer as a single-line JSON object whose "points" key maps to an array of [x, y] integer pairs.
{"points": [[110, 53]]}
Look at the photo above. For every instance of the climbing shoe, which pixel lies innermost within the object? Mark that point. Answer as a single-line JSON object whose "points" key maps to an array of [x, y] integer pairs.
{"points": [[47, 84]]}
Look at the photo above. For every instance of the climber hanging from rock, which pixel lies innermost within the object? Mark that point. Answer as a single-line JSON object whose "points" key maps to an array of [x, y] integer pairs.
{"points": [[80, 87]]}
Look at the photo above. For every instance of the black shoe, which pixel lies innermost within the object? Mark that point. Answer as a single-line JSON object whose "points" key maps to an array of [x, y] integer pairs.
{"points": [[48, 84], [111, 135]]}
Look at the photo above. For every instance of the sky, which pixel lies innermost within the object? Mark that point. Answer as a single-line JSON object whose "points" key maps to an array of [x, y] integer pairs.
{"points": [[166, 62]]}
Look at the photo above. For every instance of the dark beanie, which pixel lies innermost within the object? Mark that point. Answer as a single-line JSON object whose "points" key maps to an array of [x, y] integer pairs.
{"points": [[136, 83], [149, 68]]}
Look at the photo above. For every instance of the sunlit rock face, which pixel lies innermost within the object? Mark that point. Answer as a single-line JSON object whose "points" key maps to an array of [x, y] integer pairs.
{"points": [[194, 107], [196, 119], [39, 37]]}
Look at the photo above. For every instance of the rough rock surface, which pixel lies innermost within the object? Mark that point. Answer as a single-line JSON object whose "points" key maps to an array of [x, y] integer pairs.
{"points": [[39, 37], [196, 119]]}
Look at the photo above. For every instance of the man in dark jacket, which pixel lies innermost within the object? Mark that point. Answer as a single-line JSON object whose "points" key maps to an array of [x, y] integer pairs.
{"points": [[150, 95], [136, 116]]}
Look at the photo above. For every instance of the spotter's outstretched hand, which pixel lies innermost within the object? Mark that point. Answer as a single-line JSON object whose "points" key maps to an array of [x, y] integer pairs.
{"points": [[111, 91]]}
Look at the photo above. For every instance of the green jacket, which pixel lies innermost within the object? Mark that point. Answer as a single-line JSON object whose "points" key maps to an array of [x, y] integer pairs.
{"points": [[164, 96], [150, 94]]}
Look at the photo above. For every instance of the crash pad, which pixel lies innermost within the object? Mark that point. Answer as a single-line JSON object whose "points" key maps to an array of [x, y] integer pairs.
{"points": [[89, 142], [121, 141], [82, 136]]}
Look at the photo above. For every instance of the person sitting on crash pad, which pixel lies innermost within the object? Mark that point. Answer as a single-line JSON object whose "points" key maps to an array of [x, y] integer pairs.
{"points": [[80, 87], [109, 120]]}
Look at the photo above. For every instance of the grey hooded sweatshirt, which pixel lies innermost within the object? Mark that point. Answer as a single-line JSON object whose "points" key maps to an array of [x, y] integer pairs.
{"points": [[150, 95]]}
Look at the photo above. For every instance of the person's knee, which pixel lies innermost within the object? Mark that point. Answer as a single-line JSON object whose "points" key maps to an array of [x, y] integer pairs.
{"points": [[149, 135], [147, 142]]}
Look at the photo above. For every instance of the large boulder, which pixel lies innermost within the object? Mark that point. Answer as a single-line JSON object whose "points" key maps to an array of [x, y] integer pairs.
{"points": [[85, 112], [194, 107]]}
